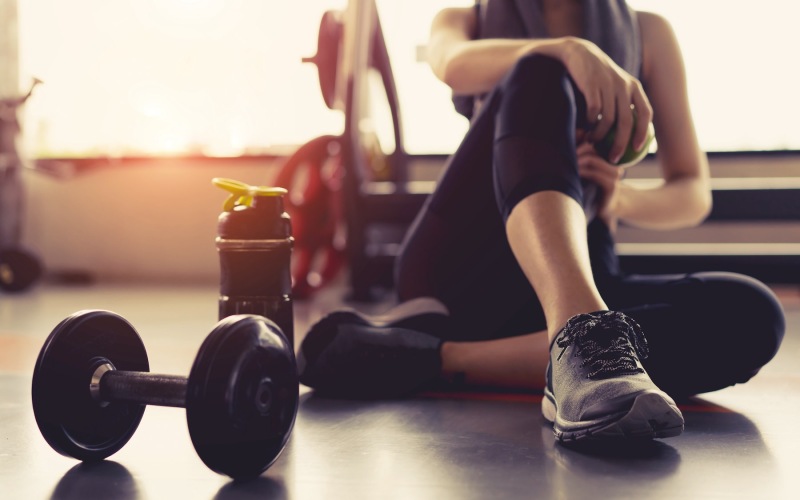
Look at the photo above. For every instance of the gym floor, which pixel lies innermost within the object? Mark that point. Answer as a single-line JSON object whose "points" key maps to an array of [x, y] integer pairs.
{"points": [[739, 443]]}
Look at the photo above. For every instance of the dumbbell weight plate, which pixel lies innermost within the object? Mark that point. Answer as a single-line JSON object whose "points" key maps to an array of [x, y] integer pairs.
{"points": [[242, 396], [71, 421], [18, 270]]}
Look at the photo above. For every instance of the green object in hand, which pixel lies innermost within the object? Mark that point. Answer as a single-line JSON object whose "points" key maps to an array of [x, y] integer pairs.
{"points": [[631, 156]]}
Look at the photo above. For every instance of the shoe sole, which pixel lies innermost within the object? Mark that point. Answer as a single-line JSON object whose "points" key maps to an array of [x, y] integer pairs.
{"points": [[403, 311], [397, 316], [651, 416]]}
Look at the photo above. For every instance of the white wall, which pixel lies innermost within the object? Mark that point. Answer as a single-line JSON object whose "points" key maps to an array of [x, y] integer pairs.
{"points": [[151, 220]]}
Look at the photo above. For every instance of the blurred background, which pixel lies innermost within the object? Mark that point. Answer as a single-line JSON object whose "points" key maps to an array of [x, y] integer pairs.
{"points": [[144, 101]]}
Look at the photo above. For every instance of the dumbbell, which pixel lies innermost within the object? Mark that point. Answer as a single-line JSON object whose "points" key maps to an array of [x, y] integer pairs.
{"points": [[92, 381]]}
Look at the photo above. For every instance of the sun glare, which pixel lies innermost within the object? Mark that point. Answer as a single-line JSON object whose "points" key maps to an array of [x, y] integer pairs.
{"points": [[225, 78]]}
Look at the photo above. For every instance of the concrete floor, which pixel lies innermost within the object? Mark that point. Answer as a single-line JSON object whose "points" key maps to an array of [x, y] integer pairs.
{"points": [[738, 443]]}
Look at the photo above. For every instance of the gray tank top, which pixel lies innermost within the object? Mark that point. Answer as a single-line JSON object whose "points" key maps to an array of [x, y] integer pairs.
{"points": [[610, 24]]}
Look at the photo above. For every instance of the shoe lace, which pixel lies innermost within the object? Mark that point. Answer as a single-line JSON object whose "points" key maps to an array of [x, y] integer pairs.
{"points": [[608, 342]]}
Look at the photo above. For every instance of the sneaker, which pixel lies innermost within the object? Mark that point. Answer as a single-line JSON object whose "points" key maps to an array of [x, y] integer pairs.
{"points": [[348, 354], [597, 387]]}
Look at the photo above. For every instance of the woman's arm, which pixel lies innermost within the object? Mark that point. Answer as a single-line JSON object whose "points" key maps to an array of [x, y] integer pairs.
{"points": [[476, 66], [684, 197]]}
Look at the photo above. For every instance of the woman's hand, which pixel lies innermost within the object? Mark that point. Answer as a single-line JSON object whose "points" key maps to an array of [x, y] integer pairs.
{"points": [[610, 94], [594, 168]]}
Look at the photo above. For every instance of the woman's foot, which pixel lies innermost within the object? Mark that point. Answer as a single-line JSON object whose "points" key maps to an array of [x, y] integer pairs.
{"points": [[348, 354], [596, 386]]}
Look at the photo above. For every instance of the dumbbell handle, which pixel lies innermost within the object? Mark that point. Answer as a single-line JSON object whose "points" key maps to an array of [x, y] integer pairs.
{"points": [[109, 385]]}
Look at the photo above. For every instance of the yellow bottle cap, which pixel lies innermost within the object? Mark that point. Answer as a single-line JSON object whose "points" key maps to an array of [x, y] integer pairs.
{"points": [[243, 194]]}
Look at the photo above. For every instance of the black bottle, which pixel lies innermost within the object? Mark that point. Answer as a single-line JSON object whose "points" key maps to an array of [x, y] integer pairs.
{"points": [[254, 242]]}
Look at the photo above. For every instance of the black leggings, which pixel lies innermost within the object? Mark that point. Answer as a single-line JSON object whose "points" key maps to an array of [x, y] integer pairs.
{"points": [[706, 330]]}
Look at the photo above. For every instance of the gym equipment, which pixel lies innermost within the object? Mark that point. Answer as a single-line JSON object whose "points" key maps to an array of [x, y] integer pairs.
{"points": [[92, 380], [378, 203], [326, 59], [19, 268], [254, 242], [313, 175]]}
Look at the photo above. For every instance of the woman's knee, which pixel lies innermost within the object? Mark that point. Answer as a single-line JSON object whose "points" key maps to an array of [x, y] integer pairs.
{"points": [[750, 312], [537, 97], [536, 71], [534, 147]]}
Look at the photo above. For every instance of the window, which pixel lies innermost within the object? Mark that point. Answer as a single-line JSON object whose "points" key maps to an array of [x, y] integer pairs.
{"points": [[742, 70], [155, 77], [224, 77]]}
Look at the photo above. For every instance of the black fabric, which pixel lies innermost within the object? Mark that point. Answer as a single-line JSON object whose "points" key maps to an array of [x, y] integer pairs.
{"points": [[521, 142], [534, 137], [706, 331]]}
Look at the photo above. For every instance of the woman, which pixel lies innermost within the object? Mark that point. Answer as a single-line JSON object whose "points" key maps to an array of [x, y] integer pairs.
{"points": [[509, 272]]}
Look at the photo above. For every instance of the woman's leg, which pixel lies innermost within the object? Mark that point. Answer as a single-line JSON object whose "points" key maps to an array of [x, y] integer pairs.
{"points": [[706, 331], [599, 385], [595, 384], [547, 233], [544, 216], [512, 360], [517, 362], [520, 149], [457, 251]]}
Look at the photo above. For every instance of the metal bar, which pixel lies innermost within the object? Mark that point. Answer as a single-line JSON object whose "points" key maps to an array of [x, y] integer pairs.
{"points": [[143, 387]]}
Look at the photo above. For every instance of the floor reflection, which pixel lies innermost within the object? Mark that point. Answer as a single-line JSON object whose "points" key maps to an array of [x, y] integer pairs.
{"points": [[480, 448], [97, 480], [262, 487]]}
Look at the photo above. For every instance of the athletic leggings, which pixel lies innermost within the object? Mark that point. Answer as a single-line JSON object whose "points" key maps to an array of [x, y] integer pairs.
{"points": [[705, 330]]}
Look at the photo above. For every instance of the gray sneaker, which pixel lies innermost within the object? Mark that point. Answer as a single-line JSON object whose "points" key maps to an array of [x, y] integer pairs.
{"points": [[596, 385]]}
